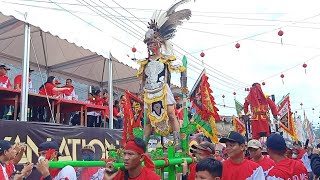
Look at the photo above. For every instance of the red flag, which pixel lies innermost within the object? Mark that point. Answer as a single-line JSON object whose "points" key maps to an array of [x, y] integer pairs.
{"points": [[133, 112], [238, 126], [203, 102], [286, 120]]}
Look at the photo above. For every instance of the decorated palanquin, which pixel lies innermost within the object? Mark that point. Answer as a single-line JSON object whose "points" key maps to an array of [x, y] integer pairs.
{"points": [[259, 107], [157, 93]]}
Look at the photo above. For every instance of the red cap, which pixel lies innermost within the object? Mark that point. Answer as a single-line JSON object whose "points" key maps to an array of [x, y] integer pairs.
{"points": [[56, 82]]}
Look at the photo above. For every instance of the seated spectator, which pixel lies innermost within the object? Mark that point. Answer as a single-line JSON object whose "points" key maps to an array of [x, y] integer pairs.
{"points": [[209, 168], [4, 83], [69, 94], [49, 88], [91, 118], [18, 81], [50, 151]]}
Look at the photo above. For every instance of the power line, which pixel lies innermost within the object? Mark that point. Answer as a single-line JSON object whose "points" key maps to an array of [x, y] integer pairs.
{"points": [[152, 10], [98, 28], [190, 54]]}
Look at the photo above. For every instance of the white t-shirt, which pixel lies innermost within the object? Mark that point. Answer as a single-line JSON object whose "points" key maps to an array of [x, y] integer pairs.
{"points": [[66, 172]]}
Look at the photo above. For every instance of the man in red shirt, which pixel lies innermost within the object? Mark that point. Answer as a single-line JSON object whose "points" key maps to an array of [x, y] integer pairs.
{"points": [[4, 80], [133, 155], [18, 81], [255, 148], [7, 169], [201, 151], [50, 151], [284, 168], [4, 83], [237, 167]]}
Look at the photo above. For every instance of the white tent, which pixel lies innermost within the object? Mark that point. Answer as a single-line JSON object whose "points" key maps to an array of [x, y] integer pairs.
{"points": [[61, 58]]}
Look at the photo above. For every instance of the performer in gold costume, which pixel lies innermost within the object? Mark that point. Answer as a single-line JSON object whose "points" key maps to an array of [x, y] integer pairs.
{"points": [[155, 73]]}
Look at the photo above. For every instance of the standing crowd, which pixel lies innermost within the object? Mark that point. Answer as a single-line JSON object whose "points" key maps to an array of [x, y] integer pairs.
{"points": [[210, 163]]}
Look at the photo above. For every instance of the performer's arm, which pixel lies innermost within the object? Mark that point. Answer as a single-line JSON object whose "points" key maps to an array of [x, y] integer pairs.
{"points": [[246, 107], [272, 106]]}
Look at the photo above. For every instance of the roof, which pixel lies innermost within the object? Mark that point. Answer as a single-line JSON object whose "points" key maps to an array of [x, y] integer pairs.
{"points": [[60, 57]]}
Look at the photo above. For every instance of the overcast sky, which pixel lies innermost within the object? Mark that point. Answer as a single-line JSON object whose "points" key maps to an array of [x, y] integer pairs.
{"points": [[214, 28]]}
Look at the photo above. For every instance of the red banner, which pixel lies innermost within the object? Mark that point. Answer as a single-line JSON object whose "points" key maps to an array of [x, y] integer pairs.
{"points": [[133, 113], [286, 120]]}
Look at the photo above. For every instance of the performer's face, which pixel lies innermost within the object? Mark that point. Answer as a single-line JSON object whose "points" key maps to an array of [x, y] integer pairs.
{"points": [[153, 47], [132, 159]]}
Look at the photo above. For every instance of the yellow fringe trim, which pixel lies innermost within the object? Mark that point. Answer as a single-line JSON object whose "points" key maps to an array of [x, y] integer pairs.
{"points": [[164, 117]]}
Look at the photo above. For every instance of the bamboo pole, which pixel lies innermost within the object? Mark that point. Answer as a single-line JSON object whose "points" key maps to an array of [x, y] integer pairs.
{"points": [[157, 163]]}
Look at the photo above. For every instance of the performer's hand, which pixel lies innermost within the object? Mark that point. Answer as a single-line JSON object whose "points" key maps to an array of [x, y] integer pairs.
{"points": [[184, 167], [109, 174]]}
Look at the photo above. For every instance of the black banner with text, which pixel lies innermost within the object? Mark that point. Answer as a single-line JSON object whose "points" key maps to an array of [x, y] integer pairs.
{"points": [[70, 138]]}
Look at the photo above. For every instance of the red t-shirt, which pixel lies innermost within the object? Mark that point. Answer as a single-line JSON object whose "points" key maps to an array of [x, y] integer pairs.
{"points": [[5, 81], [266, 163], [288, 169], [248, 170], [115, 112], [18, 80], [146, 174], [301, 153], [49, 88], [67, 92], [192, 174], [10, 168], [179, 114]]}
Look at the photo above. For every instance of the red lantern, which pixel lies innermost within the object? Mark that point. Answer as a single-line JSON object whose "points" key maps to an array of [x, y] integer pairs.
{"points": [[237, 45], [280, 33], [202, 54], [224, 105], [133, 49], [234, 93], [282, 76], [263, 83], [305, 67]]}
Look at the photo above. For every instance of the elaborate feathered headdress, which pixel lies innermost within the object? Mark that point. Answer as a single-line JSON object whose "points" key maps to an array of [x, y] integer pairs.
{"points": [[162, 27]]}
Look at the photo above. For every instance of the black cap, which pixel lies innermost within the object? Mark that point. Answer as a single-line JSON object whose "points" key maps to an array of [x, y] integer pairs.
{"points": [[233, 136], [276, 142], [48, 145], [5, 145], [297, 143], [4, 67]]}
